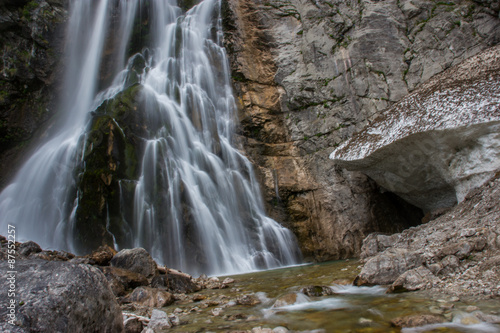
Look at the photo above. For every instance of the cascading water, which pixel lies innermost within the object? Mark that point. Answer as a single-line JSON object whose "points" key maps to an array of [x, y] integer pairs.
{"points": [[148, 161]]}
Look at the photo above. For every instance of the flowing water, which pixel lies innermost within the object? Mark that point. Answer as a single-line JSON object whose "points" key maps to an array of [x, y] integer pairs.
{"points": [[350, 309], [192, 200]]}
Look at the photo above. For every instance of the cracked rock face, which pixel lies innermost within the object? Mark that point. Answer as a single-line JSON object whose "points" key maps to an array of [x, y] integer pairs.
{"points": [[440, 141], [309, 74]]}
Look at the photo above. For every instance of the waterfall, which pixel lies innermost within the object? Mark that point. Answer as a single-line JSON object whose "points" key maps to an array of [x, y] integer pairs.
{"points": [[149, 160]]}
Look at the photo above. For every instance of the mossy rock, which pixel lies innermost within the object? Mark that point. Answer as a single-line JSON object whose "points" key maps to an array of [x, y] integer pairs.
{"points": [[111, 154]]}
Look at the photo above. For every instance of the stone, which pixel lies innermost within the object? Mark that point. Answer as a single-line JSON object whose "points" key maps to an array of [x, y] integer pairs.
{"points": [[285, 300], [176, 282], [317, 291], [151, 297], [250, 300], [386, 267], [417, 320], [159, 321], [414, 279], [469, 320], [174, 319], [137, 260], [128, 279], [228, 281], [103, 255], [430, 133], [262, 330], [376, 243], [133, 325], [62, 297], [28, 248]]}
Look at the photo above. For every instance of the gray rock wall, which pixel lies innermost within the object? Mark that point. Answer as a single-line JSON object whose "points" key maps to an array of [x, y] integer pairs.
{"points": [[310, 74]]}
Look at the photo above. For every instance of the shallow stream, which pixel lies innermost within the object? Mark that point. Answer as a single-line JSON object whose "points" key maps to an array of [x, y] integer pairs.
{"points": [[351, 309]]}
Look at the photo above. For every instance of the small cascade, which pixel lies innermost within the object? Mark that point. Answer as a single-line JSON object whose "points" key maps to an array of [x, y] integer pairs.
{"points": [[148, 161]]}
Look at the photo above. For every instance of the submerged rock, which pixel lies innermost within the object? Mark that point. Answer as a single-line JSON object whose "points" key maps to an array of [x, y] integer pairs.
{"points": [[55, 296], [438, 143], [250, 300], [417, 320], [317, 291]]}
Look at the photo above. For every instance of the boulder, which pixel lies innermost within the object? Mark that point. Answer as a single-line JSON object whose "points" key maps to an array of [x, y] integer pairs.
{"points": [[151, 297], [133, 325], [56, 296], [439, 142], [386, 267], [103, 255], [414, 279], [159, 321], [176, 282], [285, 300], [121, 279], [136, 260], [28, 248]]}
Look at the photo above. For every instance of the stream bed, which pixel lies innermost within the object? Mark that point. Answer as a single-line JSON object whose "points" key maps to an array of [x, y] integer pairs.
{"points": [[349, 309]]}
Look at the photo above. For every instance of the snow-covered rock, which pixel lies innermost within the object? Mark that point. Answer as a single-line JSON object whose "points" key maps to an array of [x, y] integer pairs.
{"points": [[440, 141]]}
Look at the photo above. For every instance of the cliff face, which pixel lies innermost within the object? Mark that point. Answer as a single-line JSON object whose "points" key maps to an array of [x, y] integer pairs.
{"points": [[310, 74], [31, 40]]}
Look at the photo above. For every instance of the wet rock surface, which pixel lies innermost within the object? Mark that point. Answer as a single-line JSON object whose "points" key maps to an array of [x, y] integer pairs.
{"points": [[457, 253]]}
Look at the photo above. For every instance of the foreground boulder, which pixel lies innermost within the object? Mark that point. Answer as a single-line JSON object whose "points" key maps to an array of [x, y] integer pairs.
{"points": [[55, 296], [438, 143]]}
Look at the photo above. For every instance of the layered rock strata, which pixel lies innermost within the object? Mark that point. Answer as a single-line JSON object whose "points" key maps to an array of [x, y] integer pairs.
{"points": [[309, 74]]}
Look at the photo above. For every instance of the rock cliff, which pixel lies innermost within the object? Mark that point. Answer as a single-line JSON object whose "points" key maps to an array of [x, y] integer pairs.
{"points": [[31, 45], [438, 143], [310, 74]]}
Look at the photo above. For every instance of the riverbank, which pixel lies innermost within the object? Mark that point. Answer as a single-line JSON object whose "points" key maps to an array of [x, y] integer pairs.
{"points": [[129, 292]]}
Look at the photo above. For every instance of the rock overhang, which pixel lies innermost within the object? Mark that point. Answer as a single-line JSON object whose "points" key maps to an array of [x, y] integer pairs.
{"points": [[439, 142]]}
